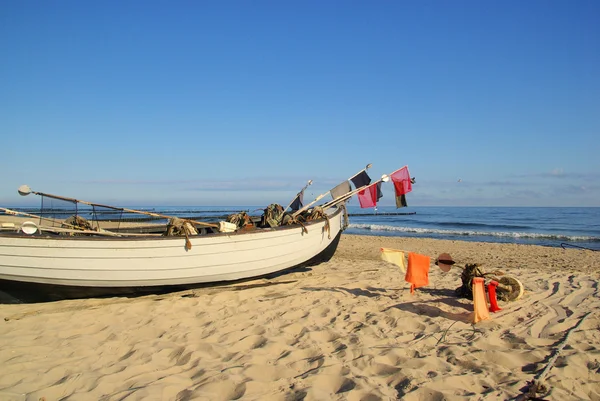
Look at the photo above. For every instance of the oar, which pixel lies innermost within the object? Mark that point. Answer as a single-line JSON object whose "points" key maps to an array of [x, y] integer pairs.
{"points": [[24, 190], [299, 193], [15, 213], [368, 166]]}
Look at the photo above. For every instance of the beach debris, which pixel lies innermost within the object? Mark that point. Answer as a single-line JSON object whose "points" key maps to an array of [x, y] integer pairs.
{"points": [[508, 288]]}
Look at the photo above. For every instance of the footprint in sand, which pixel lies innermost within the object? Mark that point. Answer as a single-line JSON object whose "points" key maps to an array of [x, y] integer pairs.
{"points": [[217, 390], [560, 305]]}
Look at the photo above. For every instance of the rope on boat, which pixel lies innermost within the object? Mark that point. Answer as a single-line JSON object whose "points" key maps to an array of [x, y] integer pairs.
{"points": [[319, 213], [241, 220], [179, 226], [291, 219]]}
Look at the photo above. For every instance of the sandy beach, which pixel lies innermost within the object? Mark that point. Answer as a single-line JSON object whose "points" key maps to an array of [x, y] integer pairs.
{"points": [[348, 329]]}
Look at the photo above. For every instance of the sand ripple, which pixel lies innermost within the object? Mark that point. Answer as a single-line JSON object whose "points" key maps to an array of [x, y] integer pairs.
{"points": [[345, 330]]}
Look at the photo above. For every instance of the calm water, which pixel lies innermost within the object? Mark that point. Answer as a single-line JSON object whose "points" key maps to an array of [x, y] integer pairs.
{"points": [[548, 226]]}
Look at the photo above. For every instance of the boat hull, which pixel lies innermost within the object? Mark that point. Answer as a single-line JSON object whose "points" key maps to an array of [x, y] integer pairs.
{"points": [[164, 261]]}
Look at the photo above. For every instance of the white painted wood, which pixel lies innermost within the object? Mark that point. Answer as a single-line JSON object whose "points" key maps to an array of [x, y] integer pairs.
{"points": [[135, 261]]}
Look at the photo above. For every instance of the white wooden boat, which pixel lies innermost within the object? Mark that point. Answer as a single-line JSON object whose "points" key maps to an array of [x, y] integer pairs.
{"points": [[137, 261], [76, 254]]}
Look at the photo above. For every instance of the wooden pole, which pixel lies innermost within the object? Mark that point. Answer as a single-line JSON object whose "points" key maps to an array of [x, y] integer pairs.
{"points": [[350, 194], [75, 228], [368, 166], [310, 204], [299, 193], [327, 193], [345, 196], [122, 208]]}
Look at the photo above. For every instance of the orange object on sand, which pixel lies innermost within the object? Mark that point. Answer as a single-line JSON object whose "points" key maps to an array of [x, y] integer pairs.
{"points": [[492, 295], [479, 303], [417, 273]]}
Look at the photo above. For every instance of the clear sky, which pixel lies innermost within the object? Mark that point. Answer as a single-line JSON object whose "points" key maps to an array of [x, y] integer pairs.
{"points": [[489, 103]]}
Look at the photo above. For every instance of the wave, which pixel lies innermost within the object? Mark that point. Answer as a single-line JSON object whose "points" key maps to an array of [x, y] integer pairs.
{"points": [[379, 227], [463, 224]]}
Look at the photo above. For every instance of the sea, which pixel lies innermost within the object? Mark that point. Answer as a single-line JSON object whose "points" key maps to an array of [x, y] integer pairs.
{"points": [[577, 227], [546, 226]]}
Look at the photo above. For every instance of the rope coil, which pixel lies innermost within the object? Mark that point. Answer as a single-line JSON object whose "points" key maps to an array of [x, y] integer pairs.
{"points": [[178, 227]]}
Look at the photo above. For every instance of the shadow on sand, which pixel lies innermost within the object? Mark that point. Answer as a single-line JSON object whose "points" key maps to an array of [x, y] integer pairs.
{"points": [[370, 292], [12, 292], [425, 308], [28, 293]]}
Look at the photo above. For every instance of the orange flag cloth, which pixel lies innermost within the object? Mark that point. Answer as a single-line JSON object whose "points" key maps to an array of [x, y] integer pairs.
{"points": [[479, 303], [417, 273]]}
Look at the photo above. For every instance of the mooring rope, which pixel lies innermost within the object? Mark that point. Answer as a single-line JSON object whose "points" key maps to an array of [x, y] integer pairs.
{"points": [[537, 385], [563, 244]]}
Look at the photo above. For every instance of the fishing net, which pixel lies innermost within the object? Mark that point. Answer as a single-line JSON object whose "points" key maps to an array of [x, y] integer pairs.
{"points": [[241, 220], [77, 222], [471, 271], [272, 216], [181, 227], [72, 214], [178, 227]]}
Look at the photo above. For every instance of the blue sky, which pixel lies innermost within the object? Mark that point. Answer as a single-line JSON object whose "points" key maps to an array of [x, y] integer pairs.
{"points": [[489, 103]]}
